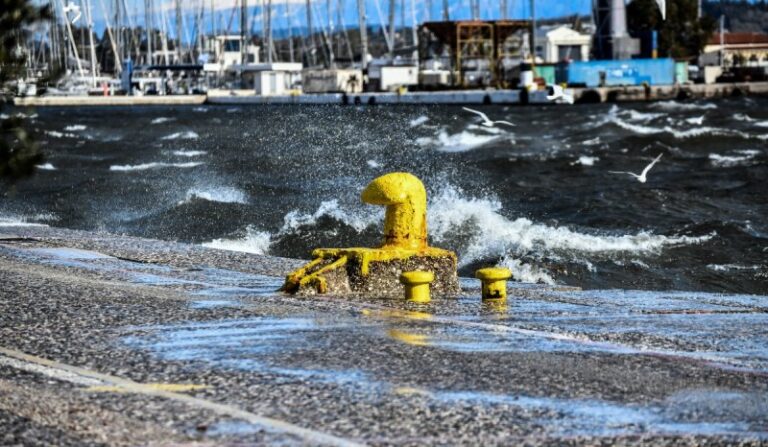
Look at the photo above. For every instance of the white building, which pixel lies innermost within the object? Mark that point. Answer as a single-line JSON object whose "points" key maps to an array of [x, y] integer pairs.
{"points": [[561, 43], [278, 78], [227, 53]]}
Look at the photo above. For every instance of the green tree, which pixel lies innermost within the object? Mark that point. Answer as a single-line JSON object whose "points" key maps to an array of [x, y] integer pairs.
{"points": [[18, 151], [682, 35]]}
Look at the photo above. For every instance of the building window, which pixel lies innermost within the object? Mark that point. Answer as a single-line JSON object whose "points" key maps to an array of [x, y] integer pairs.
{"points": [[231, 45]]}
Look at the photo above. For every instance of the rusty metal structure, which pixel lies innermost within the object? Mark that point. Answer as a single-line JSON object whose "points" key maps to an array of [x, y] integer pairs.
{"points": [[482, 45]]}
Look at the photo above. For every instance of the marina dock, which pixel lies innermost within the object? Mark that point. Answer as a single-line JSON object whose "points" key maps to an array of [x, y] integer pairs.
{"points": [[124, 341], [506, 97]]}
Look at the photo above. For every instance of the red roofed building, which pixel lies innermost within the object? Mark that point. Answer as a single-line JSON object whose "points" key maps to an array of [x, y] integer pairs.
{"points": [[739, 49]]}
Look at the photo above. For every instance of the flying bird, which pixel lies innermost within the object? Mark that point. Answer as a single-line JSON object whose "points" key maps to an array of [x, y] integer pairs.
{"points": [[486, 121], [556, 92], [642, 178]]}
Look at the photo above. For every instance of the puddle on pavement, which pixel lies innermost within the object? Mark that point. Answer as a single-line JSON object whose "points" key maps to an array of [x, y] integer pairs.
{"points": [[204, 281], [252, 344], [213, 304], [574, 417]]}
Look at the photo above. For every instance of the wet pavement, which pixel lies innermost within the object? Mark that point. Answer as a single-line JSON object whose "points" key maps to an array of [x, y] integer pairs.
{"points": [[110, 340]]}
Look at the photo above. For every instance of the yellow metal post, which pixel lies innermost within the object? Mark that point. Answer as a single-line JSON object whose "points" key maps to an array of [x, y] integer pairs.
{"points": [[494, 281], [405, 219], [417, 285]]}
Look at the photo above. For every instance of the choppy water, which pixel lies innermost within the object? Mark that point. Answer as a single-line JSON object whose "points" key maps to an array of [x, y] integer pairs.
{"points": [[538, 197]]}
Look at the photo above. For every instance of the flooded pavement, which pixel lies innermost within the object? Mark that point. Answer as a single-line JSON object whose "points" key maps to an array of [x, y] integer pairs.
{"points": [[124, 341]]}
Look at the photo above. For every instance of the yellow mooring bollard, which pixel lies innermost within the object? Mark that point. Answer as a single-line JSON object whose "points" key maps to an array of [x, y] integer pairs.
{"points": [[404, 248], [494, 281], [417, 285]]}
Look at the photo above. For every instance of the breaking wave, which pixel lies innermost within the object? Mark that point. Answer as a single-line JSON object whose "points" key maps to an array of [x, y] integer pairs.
{"points": [[487, 233], [255, 241], [674, 106], [184, 153], [75, 127], [162, 119], [154, 165], [743, 158], [186, 135], [46, 167], [418, 121], [478, 231], [222, 194], [680, 134], [460, 142]]}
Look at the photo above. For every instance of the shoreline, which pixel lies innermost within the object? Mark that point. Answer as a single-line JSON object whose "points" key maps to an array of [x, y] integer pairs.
{"points": [[448, 97]]}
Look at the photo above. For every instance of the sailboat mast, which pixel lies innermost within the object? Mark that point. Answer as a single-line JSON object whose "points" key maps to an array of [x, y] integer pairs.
{"points": [[148, 24], [312, 46], [90, 41], [178, 31], [289, 17], [363, 34], [268, 31], [243, 31], [392, 29]]}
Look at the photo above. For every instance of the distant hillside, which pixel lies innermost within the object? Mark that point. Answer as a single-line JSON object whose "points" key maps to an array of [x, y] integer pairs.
{"points": [[740, 16]]}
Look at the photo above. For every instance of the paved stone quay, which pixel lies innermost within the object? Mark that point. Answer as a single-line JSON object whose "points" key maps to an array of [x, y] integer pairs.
{"points": [[112, 340]]}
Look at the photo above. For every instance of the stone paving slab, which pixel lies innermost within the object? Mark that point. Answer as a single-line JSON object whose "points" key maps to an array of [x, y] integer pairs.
{"points": [[114, 340]]}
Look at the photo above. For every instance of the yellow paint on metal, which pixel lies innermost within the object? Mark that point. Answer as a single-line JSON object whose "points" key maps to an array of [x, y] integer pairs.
{"points": [[405, 234], [409, 338], [494, 281], [171, 387], [405, 199], [417, 285]]}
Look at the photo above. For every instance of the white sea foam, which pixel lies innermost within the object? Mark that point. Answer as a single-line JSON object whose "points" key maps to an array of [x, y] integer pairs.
{"points": [[419, 121], [75, 128], [24, 221], [743, 117], [672, 106], [526, 272], [186, 135], [57, 134], [373, 164], [460, 142], [732, 267], [488, 233], [223, 194], [330, 208], [153, 165], [591, 142], [162, 119], [586, 160], [697, 120], [681, 134], [634, 115], [743, 157], [46, 167], [762, 124], [255, 241], [4, 116], [200, 109], [185, 153]]}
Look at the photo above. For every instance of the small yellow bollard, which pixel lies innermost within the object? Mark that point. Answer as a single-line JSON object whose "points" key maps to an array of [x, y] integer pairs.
{"points": [[417, 285], [494, 281]]}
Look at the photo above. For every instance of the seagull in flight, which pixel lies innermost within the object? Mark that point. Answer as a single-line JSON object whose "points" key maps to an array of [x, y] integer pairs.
{"points": [[486, 121], [642, 177]]}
